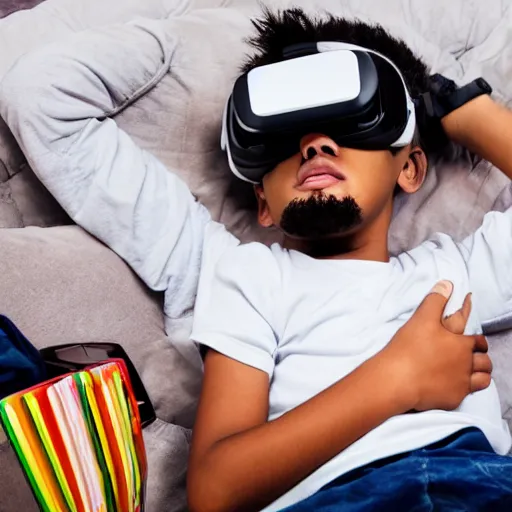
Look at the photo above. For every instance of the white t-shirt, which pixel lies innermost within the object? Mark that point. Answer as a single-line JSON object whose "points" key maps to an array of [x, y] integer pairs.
{"points": [[309, 323]]}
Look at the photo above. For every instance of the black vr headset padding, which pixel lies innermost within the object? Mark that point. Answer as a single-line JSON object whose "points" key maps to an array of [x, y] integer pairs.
{"points": [[258, 144]]}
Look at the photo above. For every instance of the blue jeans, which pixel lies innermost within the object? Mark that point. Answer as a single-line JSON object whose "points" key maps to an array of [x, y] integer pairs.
{"points": [[460, 473]]}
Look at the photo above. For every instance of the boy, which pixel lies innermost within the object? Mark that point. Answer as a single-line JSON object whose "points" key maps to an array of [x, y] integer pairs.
{"points": [[304, 396], [58, 101]]}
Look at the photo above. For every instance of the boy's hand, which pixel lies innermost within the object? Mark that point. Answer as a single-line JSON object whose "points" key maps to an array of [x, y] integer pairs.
{"points": [[438, 365]]}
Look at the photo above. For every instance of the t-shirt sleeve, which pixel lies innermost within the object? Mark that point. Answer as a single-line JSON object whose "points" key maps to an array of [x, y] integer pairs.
{"points": [[236, 306], [488, 256]]}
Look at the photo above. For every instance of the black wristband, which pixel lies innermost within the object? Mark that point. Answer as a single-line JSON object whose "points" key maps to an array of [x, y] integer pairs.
{"points": [[444, 96], [465, 94]]}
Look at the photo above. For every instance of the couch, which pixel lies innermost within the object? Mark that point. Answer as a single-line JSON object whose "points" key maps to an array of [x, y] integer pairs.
{"points": [[60, 285]]}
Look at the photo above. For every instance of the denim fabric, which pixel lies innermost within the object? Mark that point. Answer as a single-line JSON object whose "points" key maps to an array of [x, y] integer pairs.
{"points": [[21, 364], [458, 474]]}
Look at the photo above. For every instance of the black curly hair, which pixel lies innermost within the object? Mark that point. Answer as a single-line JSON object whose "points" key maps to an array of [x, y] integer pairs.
{"points": [[277, 30]]}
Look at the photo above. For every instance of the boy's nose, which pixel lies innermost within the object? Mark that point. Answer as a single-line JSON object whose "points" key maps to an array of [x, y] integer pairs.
{"points": [[317, 144]]}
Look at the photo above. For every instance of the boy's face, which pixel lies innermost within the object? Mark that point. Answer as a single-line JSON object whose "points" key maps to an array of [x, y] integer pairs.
{"points": [[328, 191]]}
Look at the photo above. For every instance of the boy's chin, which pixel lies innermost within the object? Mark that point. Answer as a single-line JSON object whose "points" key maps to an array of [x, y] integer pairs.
{"points": [[321, 218]]}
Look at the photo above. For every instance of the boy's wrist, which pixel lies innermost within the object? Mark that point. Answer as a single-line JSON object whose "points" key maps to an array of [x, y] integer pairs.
{"points": [[462, 125]]}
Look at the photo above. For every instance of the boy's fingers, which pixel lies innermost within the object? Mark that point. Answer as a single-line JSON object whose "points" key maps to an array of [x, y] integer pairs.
{"points": [[481, 363], [479, 381], [466, 307], [457, 322], [481, 344]]}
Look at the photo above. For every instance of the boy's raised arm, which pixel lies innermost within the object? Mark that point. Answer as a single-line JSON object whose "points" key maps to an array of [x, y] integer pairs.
{"points": [[58, 102], [485, 127]]}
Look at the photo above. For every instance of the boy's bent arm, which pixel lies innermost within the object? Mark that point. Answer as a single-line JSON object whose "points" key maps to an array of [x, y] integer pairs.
{"points": [[484, 127], [241, 461], [58, 102]]}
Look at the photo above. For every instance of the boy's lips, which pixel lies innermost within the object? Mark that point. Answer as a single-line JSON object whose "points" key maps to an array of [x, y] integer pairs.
{"points": [[317, 174]]}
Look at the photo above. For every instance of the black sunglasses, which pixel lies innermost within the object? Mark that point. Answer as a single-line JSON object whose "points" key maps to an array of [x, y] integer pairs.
{"points": [[62, 359]]}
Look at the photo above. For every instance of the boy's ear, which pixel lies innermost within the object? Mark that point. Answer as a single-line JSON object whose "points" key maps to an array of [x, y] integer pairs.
{"points": [[414, 171], [264, 217]]}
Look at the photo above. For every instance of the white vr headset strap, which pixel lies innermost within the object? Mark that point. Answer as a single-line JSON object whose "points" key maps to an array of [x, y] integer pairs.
{"points": [[408, 134]]}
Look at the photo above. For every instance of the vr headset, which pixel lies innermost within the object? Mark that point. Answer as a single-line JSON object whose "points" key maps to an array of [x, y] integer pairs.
{"points": [[354, 95]]}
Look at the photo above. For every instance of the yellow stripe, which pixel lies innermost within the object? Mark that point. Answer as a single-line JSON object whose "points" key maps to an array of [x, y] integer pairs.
{"points": [[38, 418], [29, 449]]}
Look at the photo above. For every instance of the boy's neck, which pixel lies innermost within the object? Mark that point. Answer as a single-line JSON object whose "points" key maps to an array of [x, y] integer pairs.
{"points": [[369, 243]]}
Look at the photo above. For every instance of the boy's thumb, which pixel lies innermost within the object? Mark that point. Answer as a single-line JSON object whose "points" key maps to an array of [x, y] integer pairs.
{"points": [[434, 303]]}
